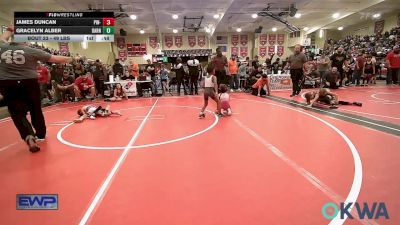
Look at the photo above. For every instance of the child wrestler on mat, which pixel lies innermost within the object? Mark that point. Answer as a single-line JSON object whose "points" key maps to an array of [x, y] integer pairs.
{"points": [[91, 111], [325, 96]]}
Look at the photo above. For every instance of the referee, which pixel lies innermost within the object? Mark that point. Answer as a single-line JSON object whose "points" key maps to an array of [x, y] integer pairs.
{"points": [[296, 62], [19, 83]]}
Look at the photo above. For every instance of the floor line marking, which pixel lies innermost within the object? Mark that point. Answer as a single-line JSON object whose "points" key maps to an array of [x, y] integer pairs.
{"points": [[8, 146], [372, 114], [107, 182], [216, 119], [357, 181], [385, 100], [299, 169], [329, 112]]}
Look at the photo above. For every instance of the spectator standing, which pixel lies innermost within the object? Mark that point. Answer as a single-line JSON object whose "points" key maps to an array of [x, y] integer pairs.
{"points": [[233, 71], [99, 77], [358, 69], [118, 69], [337, 61], [323, 66], [180, 75], [193, 65], [133, 69], [44, 81], [393, 63]]}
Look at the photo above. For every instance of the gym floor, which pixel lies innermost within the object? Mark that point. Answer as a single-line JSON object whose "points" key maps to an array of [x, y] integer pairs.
{"points": [[274, 161]]}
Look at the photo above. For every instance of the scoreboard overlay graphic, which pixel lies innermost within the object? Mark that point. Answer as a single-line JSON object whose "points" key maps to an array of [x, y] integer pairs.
{"points": [[64, 27]]}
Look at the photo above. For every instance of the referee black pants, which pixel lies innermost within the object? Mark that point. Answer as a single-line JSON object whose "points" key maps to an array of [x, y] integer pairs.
{"points": [[21, 97], [296, 75]]}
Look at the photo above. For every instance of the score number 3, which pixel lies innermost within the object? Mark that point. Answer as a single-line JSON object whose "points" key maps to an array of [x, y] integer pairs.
{"points": [[108, 21]]}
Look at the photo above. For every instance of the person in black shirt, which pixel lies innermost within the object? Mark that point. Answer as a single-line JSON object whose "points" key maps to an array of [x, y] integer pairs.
{"points": [[337, 61], [117, 68], [98, 76], [180, 74], [56, 75], [66, 86], [255, 64], [152, 72], [276, 65]]}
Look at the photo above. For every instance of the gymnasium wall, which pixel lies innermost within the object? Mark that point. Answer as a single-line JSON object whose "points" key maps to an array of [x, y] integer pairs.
{"points": [[367, 27], [102, 50]]}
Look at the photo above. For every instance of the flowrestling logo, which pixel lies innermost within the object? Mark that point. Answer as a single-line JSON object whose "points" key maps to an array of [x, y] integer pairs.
{"points": [[364, 211]]}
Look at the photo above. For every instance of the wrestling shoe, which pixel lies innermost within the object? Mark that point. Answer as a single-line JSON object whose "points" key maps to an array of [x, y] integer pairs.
{"points": [[33, 146], [202, 115]]}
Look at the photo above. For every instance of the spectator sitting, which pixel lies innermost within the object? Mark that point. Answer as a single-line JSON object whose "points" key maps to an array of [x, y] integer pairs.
{"points": [[258, 87], [119, 94], [332, 78], [83, 86], [56, 77], [312, 79], [256, 73], [323, 65], [276, 65], [66, 86], [78, 69]]}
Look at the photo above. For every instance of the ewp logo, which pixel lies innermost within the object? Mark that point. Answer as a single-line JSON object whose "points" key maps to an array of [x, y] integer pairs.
{"points": [[377, 210], [37, 202]]}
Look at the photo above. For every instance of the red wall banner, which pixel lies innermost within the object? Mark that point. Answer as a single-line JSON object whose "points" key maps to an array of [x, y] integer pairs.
{"points": [[281, 39], [280, 50], [235, 51], [379, 25], [168, 41], [121, 42], [153, 42], [272, 39], [243, 39], [122, 55], [192, 41], [263, 51], [243, 51], [271, 50], [235, 39], [201, 40], [263, 39], [178, 41]]}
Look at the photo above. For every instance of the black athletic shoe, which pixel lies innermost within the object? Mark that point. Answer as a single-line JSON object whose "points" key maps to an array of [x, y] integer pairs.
{"points": [[333, 107], [33, 146], [357, 103], [293, 94]]}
